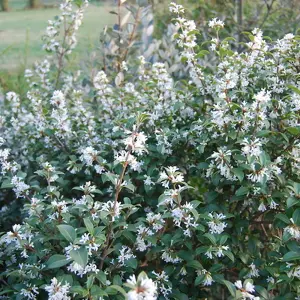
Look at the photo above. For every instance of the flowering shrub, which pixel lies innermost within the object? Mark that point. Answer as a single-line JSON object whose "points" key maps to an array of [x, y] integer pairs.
{"points": [[136, 185]]}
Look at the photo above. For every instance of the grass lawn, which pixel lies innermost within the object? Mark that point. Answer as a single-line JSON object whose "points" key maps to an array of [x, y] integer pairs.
{"points": [[21, 31]]}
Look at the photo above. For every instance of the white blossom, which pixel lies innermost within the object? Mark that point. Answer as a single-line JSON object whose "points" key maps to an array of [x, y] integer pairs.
{"points": [[57, 290], [216, 225], [142, 288], [215, 23]]}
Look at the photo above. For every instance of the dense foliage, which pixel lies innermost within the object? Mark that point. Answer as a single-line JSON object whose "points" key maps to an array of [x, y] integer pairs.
{"points": [[132, 183]]}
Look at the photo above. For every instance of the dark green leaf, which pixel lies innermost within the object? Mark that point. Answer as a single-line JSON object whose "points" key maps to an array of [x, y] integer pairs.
{"points": [[80, 256], [291, 256], [68, 232], [56, 261]]}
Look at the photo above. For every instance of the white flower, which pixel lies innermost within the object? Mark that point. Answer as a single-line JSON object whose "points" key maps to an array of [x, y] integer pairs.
{"points": [[172, 175], [246, 289], [216, 226], [148, 181], [176, 8], [58, 291], [215, 23], [58, 99], [262, 97], [252, 148], [214, 44], [254, 272], [81, 271], [293, 230], [155, 220], [220, 250], [101, 84], [124, 66], [84, 238], [207, 277], [271, 280], [125, 254], [89, 155], [249, 287], [142, 288], [170, 257], [273, 204], [60, 206], [136, 142], [222, 161], [258, 175], [114, 209], [262, 207], [257, 43], [20, 187], [208, 253], [30, 292]]}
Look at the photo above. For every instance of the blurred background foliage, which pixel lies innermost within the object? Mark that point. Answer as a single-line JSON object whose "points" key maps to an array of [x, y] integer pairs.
{"points": [[145, 22]]}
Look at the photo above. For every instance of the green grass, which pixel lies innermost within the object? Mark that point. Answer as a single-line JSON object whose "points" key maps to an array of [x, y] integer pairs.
{"points": [[21, 31]]}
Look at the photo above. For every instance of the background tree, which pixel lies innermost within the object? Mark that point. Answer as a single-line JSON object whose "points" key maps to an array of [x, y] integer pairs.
{"points": [[4, 5], [34, 4]]}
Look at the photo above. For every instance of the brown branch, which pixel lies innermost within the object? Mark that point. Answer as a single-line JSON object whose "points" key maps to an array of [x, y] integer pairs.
{"points": [[137, 19]]}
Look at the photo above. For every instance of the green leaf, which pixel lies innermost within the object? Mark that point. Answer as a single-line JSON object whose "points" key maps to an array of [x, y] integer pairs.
{"points": [[118, 289], [282, 217], [65, 279], [223, 239], [202, 53], [90, 281], [56, 261], [203, 166], [130, 187], [264, 158], [230, 38], [291, 201], [6, 292], [89, 225], [229, 255], [7, 184], [243, 190], [117, 280], [216, 268], [194, 264], [296, 216], [97, 291], [78, 2], [101, 276], [297, 188], [244, 257], [79, 290], [239, 173], [230, 286], [293, 130], [186, 255], [211, 238], [132, 263], [262, 291], [68, 232], [199, 279], [296, 90], [291, 256], [80, 256], [262, 133]]}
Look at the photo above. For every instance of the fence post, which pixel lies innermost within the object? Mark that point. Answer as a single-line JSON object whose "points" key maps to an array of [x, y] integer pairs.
{"points": [[239, 21], [4, 5]]}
